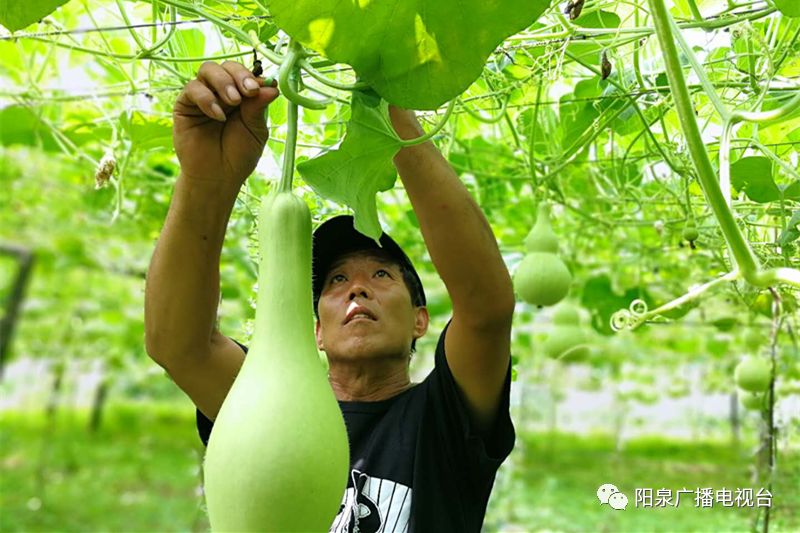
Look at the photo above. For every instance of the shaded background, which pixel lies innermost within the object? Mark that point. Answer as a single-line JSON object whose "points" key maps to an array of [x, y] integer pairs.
{"points": [[95, 436]]}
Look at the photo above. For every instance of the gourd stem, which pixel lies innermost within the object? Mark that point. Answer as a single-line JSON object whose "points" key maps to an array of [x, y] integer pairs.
{"points": [[624, 319], [767, 117], [491, 120], [710, 91], [291, 142], [743, 255], [434, 131], [763, 117], [220, 23], [173, 16], [695, 12], [290, 90], [317, 75], [725, 161]]}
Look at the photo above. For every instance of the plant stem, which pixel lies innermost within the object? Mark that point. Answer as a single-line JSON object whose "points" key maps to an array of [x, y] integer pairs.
{"points": [[768, 117], [263, 50], [644, 31], [491, 120], [434, 131], [695, 12], [764, 117], [710, 91], [109, 47], [632, 97], [288, 69], [743, 255], [291, 141], [317, 75], [132, 57], [625, 319], [148, 53], [124, 13]]}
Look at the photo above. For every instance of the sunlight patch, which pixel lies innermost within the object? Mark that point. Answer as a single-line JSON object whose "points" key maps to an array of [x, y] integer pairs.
{"points": [[427, 48], [321, 31]]}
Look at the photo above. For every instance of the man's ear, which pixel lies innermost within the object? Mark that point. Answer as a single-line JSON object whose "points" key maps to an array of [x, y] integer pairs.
{"points": [[421, 321], [318, 336]]}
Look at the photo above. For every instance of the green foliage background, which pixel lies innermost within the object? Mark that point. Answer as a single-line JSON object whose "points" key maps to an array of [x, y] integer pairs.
{"points": [[608, 155]]}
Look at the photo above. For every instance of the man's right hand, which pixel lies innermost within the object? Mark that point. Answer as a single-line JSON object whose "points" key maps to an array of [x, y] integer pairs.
{"points": [[219, 123]]}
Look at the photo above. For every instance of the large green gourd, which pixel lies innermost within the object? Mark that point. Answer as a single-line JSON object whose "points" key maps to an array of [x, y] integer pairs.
{"points": [[542, 278], [278, 456]]}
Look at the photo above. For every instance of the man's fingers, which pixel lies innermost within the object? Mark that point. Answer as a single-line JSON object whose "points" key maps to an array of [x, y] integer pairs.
{"points": [[197, 94], [221, 87], [221, 82], [246, 83], [252, 111]]}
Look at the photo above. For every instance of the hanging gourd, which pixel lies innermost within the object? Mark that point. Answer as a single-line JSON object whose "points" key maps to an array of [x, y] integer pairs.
{"points": [[278, 455], [567, 340], [542, 278], [690, 232]]}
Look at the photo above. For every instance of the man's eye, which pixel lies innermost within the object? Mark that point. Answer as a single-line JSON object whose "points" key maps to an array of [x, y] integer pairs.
{"points": [[336, 277], [382, 271]]}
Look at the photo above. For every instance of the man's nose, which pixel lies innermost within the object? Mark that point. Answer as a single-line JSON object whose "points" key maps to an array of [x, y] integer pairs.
{"points": [[359, 288]]}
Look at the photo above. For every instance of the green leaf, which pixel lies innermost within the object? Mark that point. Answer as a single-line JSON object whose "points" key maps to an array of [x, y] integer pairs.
{"points": [[541, 131], [188, 43], [790, 8], [362, 165], [19, 125], [599, 297], [575, 118], [147, 131], [753, 175], [417, 54], [598, 19], [16, 14]]}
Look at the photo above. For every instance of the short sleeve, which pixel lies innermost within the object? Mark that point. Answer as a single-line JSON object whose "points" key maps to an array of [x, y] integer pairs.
{"points": [[204, 425], [488, 449]]}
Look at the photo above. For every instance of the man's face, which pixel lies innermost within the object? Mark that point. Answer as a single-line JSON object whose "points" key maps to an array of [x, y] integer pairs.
{"points": [[365, 310]]}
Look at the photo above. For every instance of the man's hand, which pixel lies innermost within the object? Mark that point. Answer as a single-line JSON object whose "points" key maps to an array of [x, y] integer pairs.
{"points": [[220, 128]]}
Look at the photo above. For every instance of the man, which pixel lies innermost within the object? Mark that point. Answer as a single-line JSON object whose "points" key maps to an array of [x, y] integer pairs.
{"points": [[423, 456]]}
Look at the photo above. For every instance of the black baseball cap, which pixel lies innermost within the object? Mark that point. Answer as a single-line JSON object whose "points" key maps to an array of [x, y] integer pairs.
{"points": [[337, 236]]}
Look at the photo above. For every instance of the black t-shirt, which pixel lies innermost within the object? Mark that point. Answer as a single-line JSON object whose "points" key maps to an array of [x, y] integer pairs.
{"points": [[421, 443]]}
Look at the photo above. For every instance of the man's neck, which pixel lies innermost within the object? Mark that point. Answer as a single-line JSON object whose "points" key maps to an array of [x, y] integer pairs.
{"points": [[361, 382]]}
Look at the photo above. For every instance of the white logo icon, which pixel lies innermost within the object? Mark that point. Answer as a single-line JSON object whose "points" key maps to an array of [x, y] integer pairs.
{"points": [[611, 495]]}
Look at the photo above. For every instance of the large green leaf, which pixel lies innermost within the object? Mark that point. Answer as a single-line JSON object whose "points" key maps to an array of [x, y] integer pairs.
{"points": [[16, 14], [20, 125], [753, 175], [147, 131], [416, 54], [362, 165], [790, 8]]}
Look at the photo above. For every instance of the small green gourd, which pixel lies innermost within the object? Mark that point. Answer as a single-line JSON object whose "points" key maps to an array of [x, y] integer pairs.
{"points": [[753, 374], [567, 314], [278, 456], [690, 232], [752, 400], [753, 340], [567, 340], [542, 278]]}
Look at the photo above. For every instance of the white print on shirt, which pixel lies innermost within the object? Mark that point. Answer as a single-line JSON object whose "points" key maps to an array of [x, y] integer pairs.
{"points": [[373, 505]]}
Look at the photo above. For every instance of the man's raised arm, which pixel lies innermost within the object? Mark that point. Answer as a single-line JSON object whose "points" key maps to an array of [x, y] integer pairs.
{"points": [[465, 253]]}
